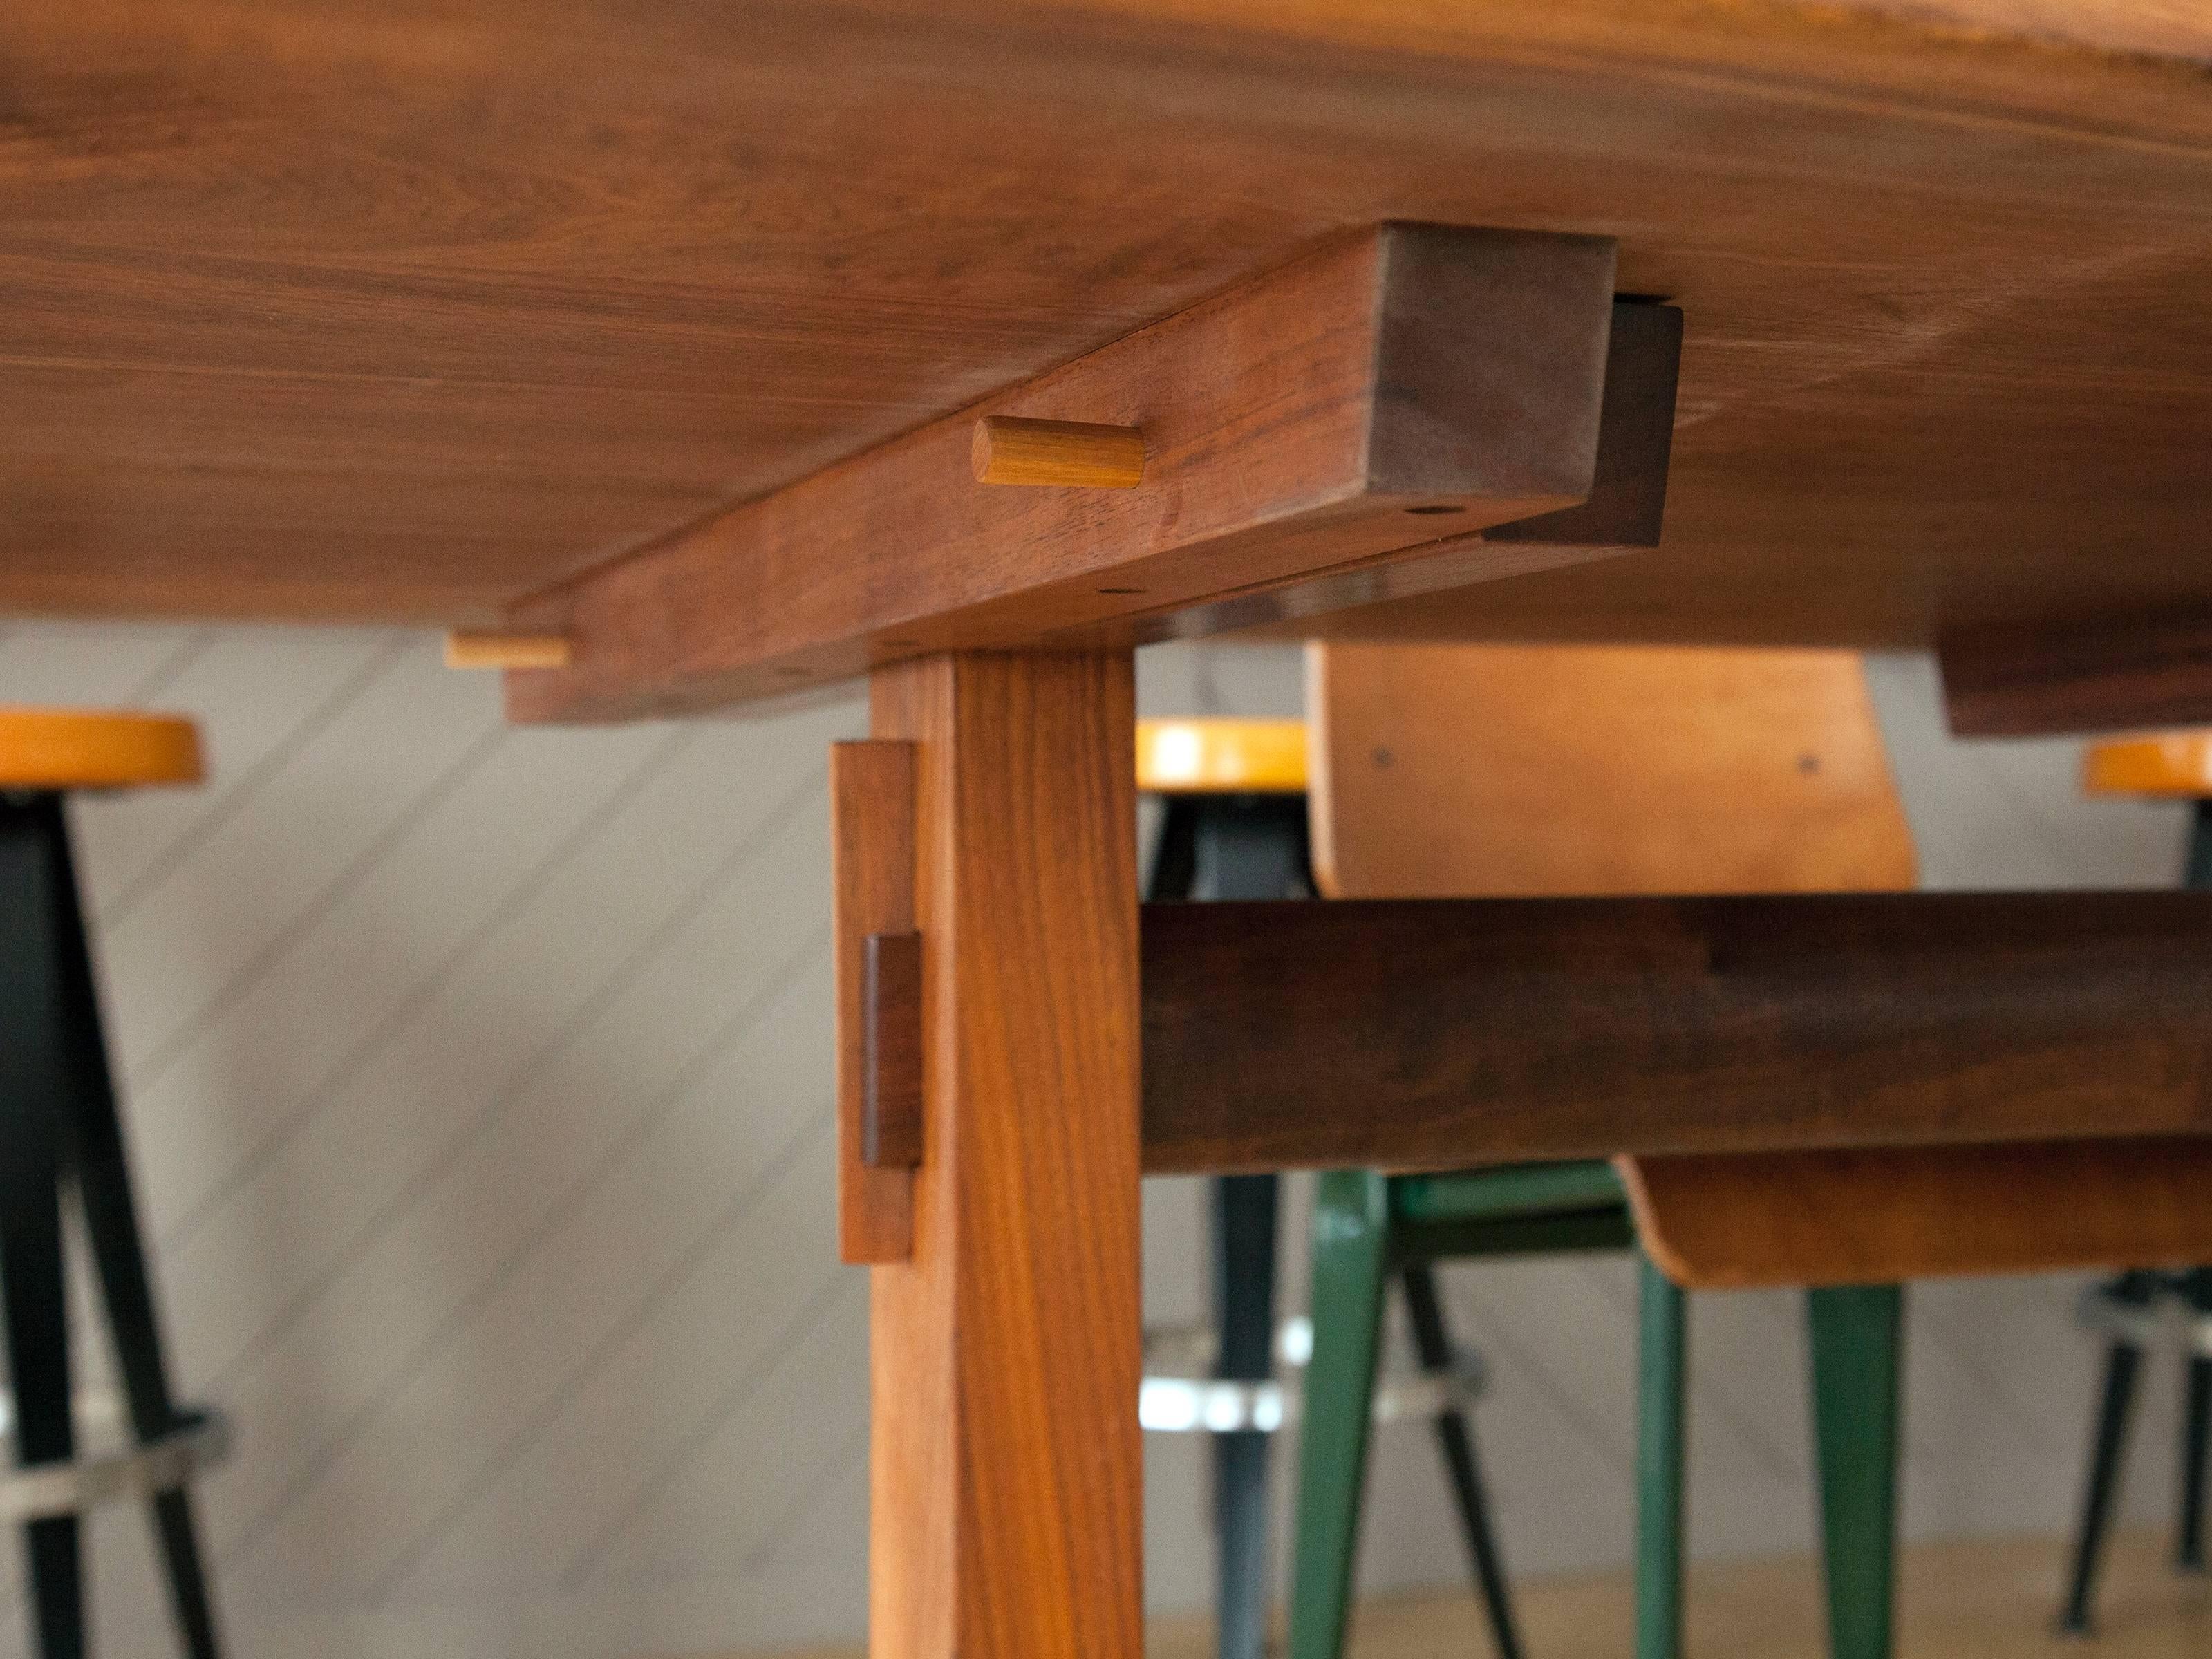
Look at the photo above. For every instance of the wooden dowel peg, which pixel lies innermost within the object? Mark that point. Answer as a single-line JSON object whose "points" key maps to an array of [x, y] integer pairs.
{"points": [[1072, 454], [473, 648]]}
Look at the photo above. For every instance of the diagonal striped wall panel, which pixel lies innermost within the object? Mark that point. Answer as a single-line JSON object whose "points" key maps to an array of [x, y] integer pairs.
{"points": [[478, 1082]]}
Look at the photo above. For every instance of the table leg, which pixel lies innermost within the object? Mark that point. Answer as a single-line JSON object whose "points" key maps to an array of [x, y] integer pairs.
{"points": [[1007, 1482]]}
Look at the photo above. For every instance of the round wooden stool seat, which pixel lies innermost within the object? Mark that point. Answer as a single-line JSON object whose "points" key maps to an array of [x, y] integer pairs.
{"points": [[95, 748], [1221, 758], [2169, 764]]}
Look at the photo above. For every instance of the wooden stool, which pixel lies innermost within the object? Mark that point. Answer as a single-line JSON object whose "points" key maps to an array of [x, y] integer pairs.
{"points": [[2135, 1308], [58, 1128]]}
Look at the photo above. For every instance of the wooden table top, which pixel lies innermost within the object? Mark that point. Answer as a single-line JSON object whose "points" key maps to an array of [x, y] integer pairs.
{"points": [[406, 309]]}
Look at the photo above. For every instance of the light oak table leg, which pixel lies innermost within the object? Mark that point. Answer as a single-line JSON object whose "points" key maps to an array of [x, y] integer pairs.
{"points": [[1007, 1484]]}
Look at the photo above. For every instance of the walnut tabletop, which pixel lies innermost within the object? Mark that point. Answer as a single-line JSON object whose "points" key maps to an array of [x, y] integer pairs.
{"points": [[410, 310]]}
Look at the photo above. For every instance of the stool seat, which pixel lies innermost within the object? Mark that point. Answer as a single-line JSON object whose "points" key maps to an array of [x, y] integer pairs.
{"points": [[1221, 758], [2175, 764], [95, 748]]}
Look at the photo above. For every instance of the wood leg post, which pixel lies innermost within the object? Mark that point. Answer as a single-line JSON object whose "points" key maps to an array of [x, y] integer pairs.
{"points": [[1007, 1482]]}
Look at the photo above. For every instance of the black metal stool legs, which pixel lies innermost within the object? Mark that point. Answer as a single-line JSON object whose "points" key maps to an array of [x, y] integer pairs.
{"points": [[59, 1125], [1244, 1308], [32, 1079], [92, 1153], [1456, 1441], [1236, 848], [2196, 1433], [2122, 1359], [39, 1368]]}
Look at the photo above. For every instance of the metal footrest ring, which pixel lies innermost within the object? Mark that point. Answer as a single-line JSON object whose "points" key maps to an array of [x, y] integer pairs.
{"points": [[200, 1440], [1178, 1397], [2166, 1317]]}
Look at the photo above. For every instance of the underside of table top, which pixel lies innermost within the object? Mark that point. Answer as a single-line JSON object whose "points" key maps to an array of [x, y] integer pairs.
{"points": [[408, 311]]}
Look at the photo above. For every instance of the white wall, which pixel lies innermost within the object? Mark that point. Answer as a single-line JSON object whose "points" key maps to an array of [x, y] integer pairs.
{"points": [[479, 1086]]}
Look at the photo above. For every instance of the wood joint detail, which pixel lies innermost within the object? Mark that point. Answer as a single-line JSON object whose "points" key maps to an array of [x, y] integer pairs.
{"points": [[890, 1094], [878, 966]]}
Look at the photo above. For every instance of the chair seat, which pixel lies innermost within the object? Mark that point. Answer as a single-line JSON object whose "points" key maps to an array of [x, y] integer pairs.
{"points": [[1510, 1191], [1221, 758], [2170, 764], [95, 748]]}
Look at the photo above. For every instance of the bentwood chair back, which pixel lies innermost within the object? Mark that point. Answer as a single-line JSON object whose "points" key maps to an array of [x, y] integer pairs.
{"points": [[1559, 771]]}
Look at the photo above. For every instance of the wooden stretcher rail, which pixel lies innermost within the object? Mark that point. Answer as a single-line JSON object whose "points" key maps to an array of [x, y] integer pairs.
{"points": [[2109, 675], [1439, 1033], [1416, 407]]}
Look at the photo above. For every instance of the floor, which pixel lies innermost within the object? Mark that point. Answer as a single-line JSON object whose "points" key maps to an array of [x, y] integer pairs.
{"points": [[1979, 1600]]}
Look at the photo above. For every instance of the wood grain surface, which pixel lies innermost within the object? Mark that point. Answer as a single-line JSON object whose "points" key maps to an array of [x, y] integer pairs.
{"points": [[1450, 771], [2111, 674], [1400, 386], [1878, 1215], [1437, 1033], [1006, 1497], [871, 807], [408, 308]]}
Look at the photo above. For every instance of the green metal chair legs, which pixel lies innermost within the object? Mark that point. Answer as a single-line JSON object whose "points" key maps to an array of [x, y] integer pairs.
{"points": [[1856, 1335], [1367, 1226], [1350, 1266], [1662, 1442], [1857, 1350]]}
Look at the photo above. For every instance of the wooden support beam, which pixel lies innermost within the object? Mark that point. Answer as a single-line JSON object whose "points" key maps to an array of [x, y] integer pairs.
{"points": [[1408, 384], [1627, 500], [1433, 1034], [1006, 1512], [2121, 674]]}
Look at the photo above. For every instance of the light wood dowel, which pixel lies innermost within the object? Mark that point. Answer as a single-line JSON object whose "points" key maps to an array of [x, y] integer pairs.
{"points": [[1073, 455], [472, 648]]}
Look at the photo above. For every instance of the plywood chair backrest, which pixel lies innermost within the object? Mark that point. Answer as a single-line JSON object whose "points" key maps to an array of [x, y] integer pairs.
{"points": [[1555, 771]]}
